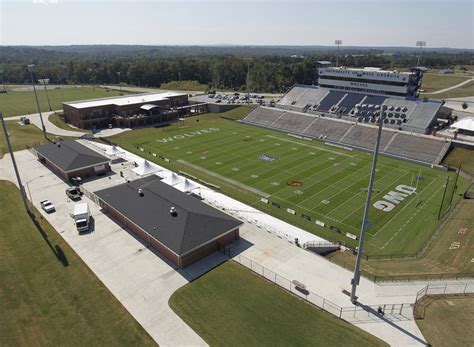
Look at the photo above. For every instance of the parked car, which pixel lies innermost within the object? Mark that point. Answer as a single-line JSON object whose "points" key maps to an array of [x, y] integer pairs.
{"points": [[218, 101], [76, 181], [47, 206], [25, 120], [73, 193]]}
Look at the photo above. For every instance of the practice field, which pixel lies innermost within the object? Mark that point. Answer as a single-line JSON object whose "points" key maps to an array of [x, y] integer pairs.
{"points": [[231, 306], [318, 183], [17, 103]]}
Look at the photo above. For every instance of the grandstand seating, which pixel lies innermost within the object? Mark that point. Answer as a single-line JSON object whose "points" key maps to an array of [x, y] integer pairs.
{"points": [[263, 116], [331, 99], [362, 136], [350, 101], [327, 129], [420, 148], [398, 144], [293, 122]]}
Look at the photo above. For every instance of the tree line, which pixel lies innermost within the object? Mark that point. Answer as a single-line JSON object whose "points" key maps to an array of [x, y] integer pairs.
{"points": [[264, 69]]}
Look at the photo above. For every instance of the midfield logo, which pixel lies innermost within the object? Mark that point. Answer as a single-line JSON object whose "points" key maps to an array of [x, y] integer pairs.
{"points": [[190, 134], [393, 198]]}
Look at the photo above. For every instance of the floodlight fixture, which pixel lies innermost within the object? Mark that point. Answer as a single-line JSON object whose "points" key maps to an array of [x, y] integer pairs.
{"points": [[420, 44], [337, 43]]}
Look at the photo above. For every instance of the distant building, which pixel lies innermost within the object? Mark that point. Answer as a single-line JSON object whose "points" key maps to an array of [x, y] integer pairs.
{"points": [[178, 225], [125, 111], [71, 159], [371, 80]]}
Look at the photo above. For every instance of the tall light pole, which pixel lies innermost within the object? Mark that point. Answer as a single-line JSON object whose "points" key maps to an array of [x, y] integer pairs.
{"points": [[2, 72], [356, 279], [337, 43], [420, 44], [120, 84], [30, 69], [90, 78], [20, 185], [44, 82], [247, 79]]}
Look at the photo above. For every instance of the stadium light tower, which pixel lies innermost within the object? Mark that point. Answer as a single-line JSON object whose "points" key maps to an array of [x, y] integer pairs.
{"points": [[420, 44], [12, 156], [30, 69], [120, 84], [356, 278], [337, 43], [44, 82]]}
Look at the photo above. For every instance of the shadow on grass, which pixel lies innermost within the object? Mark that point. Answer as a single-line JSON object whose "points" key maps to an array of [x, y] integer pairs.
{"points": [[57, 250]]}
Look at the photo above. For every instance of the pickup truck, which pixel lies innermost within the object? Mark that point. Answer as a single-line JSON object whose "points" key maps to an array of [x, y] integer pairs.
{"points": [[73, 193]]}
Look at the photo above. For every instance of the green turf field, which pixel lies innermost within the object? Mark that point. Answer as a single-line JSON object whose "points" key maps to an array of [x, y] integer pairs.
{"points": [[17, 103], [318, 182], [231, 306]]}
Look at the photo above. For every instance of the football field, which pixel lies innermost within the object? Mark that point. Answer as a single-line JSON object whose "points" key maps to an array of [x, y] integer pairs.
{"points": [[305, 182]]}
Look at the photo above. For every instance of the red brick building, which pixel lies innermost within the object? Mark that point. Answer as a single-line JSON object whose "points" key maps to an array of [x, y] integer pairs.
{"points": [[125, 111], [71, 159], [179, 226]]}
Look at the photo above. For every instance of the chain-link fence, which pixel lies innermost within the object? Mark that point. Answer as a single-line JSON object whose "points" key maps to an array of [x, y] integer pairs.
{"points": [[357, 313], [433, 291]]}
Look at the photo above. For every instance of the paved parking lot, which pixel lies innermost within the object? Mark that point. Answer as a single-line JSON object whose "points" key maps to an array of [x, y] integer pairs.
{"points": [[140, 279]]}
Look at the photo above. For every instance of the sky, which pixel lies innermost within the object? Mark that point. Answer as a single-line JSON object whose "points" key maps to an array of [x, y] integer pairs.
{"points": [[448, 23]]}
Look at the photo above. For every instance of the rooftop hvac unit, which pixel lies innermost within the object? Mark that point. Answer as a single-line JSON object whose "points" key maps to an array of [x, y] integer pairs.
{"points": [[173, 211]]}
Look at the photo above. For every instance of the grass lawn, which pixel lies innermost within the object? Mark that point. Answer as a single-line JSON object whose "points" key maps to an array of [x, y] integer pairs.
{"points": [[461, 156], [57, 120], [463, 91], [231, 306], [438, 258], [185, 85], [23, 102], [47, 302], [317, 181], [433, 81], [447, 321], [22, 137]]}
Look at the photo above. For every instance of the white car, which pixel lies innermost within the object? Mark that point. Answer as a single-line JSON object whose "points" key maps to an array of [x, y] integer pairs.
{"points": [[47, 206]]}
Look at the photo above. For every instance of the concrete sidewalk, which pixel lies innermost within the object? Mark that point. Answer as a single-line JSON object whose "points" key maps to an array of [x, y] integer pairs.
{"points": [[139, 278], [329, 280], [53, 129]]}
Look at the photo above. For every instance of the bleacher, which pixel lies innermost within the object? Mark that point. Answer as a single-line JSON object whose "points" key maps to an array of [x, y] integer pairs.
{"points": [[402, 114], [349, 102], [293, 122], [330, 100], [263, 116], [416, 147], [361, 136], [327, 129], [347, 133]]}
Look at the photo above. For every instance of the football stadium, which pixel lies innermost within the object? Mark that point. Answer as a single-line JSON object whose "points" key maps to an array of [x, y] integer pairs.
{"points": [[319, 187]]}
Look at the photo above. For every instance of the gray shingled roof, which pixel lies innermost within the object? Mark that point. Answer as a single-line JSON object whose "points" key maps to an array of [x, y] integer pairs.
{"points": [[196, 223], [70, 155]]}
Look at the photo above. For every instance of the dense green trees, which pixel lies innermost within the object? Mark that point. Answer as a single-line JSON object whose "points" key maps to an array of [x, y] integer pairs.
{"points": [[269, 69]]}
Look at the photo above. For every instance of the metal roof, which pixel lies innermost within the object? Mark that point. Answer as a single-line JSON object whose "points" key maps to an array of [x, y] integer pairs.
{"points": [[466, 123], [70, 155], [195, 224], [124, 100]]}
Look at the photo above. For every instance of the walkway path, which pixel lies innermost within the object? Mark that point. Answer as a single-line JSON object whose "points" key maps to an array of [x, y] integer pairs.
{"points": [[53, 129], [139, 278], [469, 80]]}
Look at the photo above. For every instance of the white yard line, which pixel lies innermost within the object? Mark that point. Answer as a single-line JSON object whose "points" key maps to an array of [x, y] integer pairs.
{"points": [[315, 147]]}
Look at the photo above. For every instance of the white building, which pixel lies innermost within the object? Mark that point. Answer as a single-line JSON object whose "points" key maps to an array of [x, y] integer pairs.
{"points": [[371, 80]]}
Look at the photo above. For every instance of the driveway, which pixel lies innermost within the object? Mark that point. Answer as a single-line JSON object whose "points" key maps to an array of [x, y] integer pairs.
{"points": [[53, 129], [139, 278]]}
